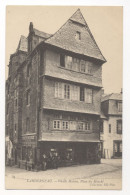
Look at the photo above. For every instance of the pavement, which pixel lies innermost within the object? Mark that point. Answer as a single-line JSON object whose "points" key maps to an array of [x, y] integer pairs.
{"points": [[106, 175]]}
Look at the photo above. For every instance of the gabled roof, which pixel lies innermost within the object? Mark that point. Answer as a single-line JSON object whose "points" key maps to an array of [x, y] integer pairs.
{"points": [[112, 96], [65, 38], [23, 44], [41, 34]]}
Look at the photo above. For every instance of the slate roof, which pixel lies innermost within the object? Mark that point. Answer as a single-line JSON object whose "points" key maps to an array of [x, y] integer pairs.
{"points": [[65, 37], [23, 44], [112, 96], [41, 34]]}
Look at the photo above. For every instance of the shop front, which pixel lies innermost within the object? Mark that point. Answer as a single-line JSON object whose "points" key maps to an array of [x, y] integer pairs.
{"points": [[71, 153]]}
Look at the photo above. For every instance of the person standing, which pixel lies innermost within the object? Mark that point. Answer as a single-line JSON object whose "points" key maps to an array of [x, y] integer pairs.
{"points": [[44, 162]]}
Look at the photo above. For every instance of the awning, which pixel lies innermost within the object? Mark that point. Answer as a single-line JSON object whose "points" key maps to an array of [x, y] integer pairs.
{"points": [[70, 137]]}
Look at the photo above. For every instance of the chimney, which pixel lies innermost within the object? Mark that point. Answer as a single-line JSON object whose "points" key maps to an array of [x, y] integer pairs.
{"points": [[31, 27]]}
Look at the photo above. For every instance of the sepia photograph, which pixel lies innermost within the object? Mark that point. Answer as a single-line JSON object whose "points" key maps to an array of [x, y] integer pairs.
{"points": [[63, 112]]}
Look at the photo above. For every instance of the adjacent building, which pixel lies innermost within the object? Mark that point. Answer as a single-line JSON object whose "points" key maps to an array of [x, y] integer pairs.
{"points": [[53, 96], [111, 126]]}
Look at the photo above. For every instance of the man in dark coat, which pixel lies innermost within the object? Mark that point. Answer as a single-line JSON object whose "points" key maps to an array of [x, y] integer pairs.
{"points": [[44, 162]]}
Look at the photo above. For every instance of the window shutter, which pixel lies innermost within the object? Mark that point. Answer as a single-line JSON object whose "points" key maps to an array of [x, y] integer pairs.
{"points": [[88, 96]]}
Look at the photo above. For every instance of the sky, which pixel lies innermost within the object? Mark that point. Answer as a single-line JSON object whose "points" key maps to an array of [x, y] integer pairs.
{"points": [[105, 23]]}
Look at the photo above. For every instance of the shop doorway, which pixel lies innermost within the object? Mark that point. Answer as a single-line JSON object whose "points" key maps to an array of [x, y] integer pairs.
{"points": [[118, 149]]}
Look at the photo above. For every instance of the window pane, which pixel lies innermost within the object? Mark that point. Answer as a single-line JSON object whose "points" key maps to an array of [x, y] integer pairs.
{"points": [[88, 95], [66, 91], [62, 60], [87, 125], [68, 62], [80, 126], [82, 66], [81, 94], [73, 125]]}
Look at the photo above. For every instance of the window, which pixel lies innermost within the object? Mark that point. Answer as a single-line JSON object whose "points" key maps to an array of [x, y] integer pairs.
{"points": [[76, 64], [62, 60], [73, 125], [80, 126], [81, 94], [78, 35], [74, 92], [89, 66], [119, 126], [88, 96], [56, 124], [27, 124], [28, 97], [66, 91], [101, 127], [65, 125], [82, 66], [88, 125], [109, 128], [68, 62], [119, 106], [58, 90]]}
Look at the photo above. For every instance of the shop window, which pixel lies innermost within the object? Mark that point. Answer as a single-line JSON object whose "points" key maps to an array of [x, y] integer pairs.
{"points": [[81, 94], [56, 124], [109, 128], [119, 126]]}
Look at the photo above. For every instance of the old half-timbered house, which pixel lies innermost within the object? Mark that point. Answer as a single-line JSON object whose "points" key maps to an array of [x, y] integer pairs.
{"points": [[53, 96]]}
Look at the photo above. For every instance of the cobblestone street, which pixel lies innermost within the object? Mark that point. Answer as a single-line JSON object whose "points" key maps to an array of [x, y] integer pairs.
{"points": [[108, 170]]}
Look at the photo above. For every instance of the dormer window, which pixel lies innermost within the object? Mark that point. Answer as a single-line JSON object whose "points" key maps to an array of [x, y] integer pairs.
{"points": [[78, 35]]}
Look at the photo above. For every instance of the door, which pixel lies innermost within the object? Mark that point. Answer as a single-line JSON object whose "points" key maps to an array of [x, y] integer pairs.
{"points": [[117, 148]]}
